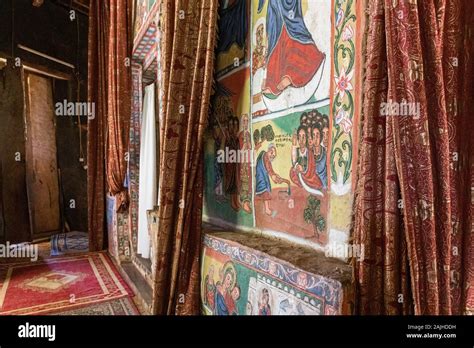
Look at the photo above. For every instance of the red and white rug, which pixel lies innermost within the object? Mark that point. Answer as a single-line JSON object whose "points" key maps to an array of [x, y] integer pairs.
{"points": [[59, 284]]}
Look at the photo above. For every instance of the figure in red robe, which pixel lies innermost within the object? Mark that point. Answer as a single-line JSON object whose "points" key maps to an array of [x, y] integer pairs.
{"points": [[292, 57], [303, 161]]}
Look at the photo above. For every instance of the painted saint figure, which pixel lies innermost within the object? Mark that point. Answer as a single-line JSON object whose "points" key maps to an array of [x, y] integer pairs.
{"points": [[299, 150], [210, 290], [292, 56], [231, 169], [226, 295], [319, 152], [303, 162], [245, 145], [264, 171], [231, 300], [264, 305], [259, 52], [223, 293]]}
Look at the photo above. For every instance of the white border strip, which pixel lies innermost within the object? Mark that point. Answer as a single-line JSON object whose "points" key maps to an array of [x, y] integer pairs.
{"points": [[233, 71], [291, 110]]}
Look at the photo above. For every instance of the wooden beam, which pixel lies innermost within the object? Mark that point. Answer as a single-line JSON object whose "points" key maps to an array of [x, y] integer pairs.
{"points": [[41, 70]]}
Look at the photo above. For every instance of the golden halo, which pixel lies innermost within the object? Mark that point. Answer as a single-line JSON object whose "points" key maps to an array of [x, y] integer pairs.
{"points": [[229, 266]]}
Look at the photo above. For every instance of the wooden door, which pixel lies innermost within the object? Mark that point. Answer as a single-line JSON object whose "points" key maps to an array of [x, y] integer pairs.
{"points": [[14, 219], [41, 158]]}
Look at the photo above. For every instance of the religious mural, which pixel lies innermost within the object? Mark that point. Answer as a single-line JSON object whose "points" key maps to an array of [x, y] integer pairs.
{"points": [[232, 47], [285, 99], [291, 174], [228, 152], [291, 54], [237, 280]]}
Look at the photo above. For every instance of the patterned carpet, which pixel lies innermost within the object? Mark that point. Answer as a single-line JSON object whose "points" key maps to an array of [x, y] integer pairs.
{"points": [[79, 284], [123, 306]]}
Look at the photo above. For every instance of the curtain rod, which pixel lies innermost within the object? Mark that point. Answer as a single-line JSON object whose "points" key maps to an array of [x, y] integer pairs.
{"points": [[46, 56], [39, 71]]}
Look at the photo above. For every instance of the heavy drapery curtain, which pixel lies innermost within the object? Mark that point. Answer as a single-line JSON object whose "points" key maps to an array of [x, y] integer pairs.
{"points": [[188, 37], [413, 206], [109, 88]]}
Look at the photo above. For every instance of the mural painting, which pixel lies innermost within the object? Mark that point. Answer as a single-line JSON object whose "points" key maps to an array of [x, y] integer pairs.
{"points": [[291, 54], [232, 48], [291, 174], [238, 280], [344, 98], [298, 113], [228, 152]]}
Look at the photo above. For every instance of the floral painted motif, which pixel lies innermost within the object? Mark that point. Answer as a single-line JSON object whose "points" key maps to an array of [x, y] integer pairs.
{"points": [[343, 83], [343, 107]]}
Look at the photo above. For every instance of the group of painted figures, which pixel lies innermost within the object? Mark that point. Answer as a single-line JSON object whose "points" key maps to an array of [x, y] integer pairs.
{"points": [[308, 159], [232, 178], [309, 151], [287, 52], [221, 297]]}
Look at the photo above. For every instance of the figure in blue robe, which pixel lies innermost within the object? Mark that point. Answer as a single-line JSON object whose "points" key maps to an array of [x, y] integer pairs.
{"points": [[292, 55], [288, 13], [233, 24], [262, 176], [321, 167], [220, 305]]}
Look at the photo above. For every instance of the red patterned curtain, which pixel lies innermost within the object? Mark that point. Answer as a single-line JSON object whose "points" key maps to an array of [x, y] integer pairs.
{"points": [[188, 37], [119, 92], [467, 210], [410, 210], [109, 87]]}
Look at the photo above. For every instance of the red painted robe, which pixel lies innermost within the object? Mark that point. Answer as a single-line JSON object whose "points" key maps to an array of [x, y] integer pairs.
{"points": [[297, 61], [310, 177]]}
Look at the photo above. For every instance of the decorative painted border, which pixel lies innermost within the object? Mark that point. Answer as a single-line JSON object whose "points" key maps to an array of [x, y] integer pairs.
{"points": [[134, 153], [343, 97], [324, 288], [293, 291]]}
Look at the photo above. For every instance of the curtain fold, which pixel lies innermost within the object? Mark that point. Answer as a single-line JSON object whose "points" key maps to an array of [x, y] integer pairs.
{"points": [[418, 46], [467, 145], [119, 90], [96, 127], [382, 280], [188, 38], [109, 88]]}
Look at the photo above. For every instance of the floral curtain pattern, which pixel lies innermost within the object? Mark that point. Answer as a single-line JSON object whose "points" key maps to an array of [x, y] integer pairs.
{"points": [[413, 168], [119, 78], [109, 88], [187, 42]]}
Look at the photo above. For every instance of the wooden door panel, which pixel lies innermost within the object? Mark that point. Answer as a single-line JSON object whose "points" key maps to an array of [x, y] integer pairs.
{"points": [[14, 224], [41, 160]]}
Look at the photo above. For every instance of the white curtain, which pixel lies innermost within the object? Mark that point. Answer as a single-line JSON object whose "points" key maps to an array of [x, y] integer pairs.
{"points": [[147, 189]]}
